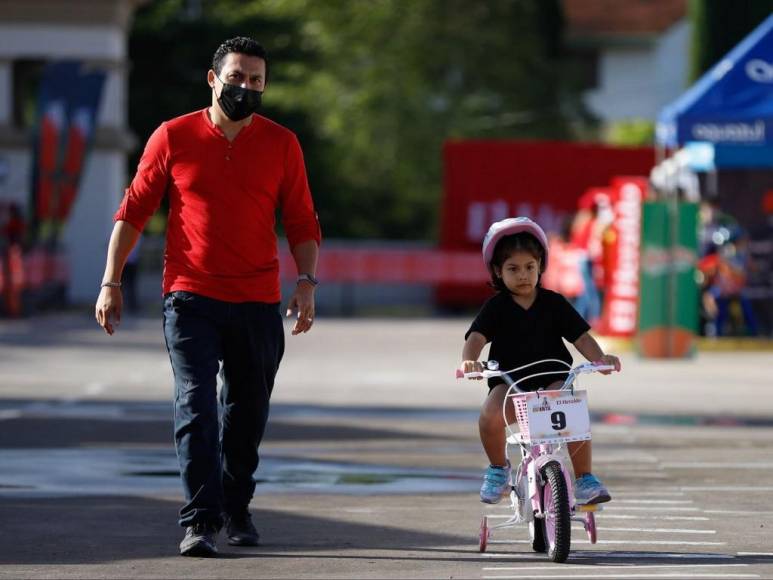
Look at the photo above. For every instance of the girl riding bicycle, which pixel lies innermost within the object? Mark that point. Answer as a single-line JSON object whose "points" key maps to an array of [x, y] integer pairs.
{"points": [[524, 323]]}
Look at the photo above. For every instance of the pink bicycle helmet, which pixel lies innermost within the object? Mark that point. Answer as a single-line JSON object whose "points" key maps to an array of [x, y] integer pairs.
{"points": [[508, 227]]}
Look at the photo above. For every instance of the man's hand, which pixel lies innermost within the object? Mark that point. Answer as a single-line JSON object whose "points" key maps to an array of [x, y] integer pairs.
{"points": [[302, 301], [109, 304]]}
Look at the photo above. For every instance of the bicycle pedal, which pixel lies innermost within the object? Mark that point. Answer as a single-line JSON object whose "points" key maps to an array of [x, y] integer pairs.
{"points": [[593, 507]]}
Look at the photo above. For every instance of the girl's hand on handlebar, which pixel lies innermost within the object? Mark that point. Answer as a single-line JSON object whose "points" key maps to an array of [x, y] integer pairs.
{"points": [[609, 359], [471, 366]]}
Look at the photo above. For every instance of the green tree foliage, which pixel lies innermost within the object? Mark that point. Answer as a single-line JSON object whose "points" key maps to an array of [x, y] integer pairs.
{"points": [[171, 47], [631, 133], [718, 25], [374, 88]]}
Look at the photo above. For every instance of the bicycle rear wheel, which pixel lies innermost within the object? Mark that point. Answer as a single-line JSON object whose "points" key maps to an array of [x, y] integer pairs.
{"points": [[557, 523]]}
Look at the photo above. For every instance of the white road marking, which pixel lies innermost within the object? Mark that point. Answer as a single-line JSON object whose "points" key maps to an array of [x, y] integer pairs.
{"points": [[631, 508], [6, 414], [755, 553], [654, 542], [648, 493], [730, 488], [738, 513], [658, 530], [717, 465], [655, 501], [645, 460], [95, 388], [661, 490], [608, 566], [625, 542], [642, 474], [669, 518], [621, 554], [618, 575]]}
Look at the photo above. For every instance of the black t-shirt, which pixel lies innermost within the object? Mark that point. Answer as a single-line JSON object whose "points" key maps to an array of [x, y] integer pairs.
{"points": [[520, 336]]}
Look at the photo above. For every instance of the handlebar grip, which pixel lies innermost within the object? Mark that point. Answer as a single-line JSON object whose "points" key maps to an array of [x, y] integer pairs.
{"points": [[597, 367], [459, 374]]}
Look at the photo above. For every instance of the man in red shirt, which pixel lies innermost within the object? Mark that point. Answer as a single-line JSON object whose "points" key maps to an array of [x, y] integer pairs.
{"points": [[226, 171]]}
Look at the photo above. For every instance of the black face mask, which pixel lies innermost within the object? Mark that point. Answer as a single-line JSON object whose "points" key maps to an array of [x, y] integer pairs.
{"points": [[239, 103]]}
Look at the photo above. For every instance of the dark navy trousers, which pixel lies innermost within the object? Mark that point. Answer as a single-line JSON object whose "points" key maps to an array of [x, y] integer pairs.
{"points": [[219, 454]]}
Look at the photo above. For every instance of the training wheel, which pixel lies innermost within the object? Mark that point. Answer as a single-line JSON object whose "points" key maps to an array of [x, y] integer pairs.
{"points": [[484, 534], [590, 526]]}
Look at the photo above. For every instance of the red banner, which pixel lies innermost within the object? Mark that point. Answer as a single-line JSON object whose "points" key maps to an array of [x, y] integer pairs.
{"points": [[392, 266], [621, 251], [486, 181]]}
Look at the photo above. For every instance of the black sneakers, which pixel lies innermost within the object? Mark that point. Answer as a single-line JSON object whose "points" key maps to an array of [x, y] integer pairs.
{"points": [[240, 531], [199, 541]]}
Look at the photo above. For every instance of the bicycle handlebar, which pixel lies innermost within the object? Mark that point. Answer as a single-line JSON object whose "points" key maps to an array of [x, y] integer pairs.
{"points": [[582, 368]]}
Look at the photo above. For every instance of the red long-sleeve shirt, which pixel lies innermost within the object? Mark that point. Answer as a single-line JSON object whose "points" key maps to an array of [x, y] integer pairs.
{"points": [[223, 197]]}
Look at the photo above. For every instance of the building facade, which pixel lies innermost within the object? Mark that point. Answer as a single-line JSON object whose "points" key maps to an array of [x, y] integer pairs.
{"points": [[95, 32]]}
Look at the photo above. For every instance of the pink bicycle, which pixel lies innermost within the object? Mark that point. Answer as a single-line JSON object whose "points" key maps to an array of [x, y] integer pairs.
{"points": [[542, 486]]}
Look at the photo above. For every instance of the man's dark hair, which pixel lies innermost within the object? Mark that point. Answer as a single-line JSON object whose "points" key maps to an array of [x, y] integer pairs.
{"points": [[522, 242], [241, 45]]}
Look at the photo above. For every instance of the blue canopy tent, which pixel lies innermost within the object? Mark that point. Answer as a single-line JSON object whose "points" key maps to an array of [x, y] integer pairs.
{"points": [[729, 107]]}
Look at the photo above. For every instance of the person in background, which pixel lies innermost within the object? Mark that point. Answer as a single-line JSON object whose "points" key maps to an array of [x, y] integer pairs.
{"points": [[564, 272], [12, 259], [726, 272], [585, 235]]}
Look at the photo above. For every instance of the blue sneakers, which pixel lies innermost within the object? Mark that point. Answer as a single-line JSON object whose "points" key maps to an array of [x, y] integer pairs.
{"points": [[496, 483], [589, 490]]}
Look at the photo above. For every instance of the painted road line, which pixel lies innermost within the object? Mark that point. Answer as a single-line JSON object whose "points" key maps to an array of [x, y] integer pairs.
{"points": [[651, 530], [718, 465], [94, 389], [595, 554], [618, 575], [738, 513], [523, 556], [633, 508], [666, 489], [655, 501], [607, 516], [755, 553], [640, 475], [625, 542], [641, 460], [730, 488], [648, 493], [608, 566], [654, 542]]}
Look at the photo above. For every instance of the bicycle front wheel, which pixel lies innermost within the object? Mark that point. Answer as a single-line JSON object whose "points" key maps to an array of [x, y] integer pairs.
{"points": [[557, 523]]}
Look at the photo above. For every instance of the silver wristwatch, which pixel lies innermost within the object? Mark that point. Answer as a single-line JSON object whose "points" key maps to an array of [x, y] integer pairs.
{"points": [[307, 278]]}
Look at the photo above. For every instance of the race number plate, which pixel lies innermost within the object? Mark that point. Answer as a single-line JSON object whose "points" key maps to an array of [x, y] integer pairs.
{"points": [[558, 416]]}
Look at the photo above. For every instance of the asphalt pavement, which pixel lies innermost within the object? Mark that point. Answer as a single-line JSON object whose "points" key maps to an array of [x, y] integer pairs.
{"points": [[371, 464]]}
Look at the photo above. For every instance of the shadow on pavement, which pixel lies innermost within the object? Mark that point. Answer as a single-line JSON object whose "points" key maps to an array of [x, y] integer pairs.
{"points": [[83, 430], [93, 530]]}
